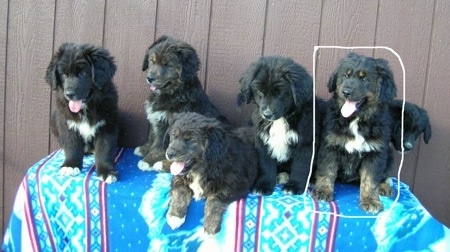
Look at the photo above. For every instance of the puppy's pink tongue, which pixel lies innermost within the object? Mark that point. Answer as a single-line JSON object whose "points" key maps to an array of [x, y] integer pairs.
{"points": [[176, 168], [75, 106], [348, 109]]}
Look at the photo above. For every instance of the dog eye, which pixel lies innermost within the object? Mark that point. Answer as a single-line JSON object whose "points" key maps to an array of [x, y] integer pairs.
{"points": [[190, 140]]}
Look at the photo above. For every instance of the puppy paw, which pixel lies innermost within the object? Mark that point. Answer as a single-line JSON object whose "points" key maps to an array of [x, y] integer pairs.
{"points": [[138, 152], [371, 205], [292, 187], [69, 171], [263, 188], [322, 195], [158, 166], [385, 190], [110, 178], [175, 222], [144, 166], [282, 178]]}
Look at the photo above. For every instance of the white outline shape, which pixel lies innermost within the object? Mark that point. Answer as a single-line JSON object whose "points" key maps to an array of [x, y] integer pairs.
{"points": [[314, 127]]}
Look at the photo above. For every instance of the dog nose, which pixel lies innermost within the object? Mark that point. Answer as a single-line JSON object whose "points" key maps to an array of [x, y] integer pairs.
{"points": [[347, 92], [267, 114], [408, 146], [70, 94], [150, 79]]}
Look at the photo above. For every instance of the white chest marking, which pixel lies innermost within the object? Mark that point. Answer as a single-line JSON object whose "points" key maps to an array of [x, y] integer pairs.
{"points": [[87, 131], [152, 116], [359, 144], [279, 138], [196, 187]]}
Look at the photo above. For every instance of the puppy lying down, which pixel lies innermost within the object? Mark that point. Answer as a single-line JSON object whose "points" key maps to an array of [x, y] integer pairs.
{"points": [[208, 161]]}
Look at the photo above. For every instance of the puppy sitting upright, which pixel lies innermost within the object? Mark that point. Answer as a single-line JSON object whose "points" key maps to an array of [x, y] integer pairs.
{"points": [[208, 161], [355, 137], [86, 111], [283, 120], [172, 67]]}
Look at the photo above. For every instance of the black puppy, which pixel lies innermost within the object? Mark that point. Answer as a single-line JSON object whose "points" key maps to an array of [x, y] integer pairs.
{"points": [[283, 120], [415, 122], [355, 139], [85, 115]]}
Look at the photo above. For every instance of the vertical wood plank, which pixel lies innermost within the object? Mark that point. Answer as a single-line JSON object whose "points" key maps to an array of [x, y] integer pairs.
{"points": [[188, 21], [129, 30], [344, 23], [3, 60], [27, 103], [292, 30], [405, 26], [235, 41], [432, 178], [78, 21]]}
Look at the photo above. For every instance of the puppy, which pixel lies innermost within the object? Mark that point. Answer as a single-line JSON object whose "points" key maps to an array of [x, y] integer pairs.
{"points": [[172, 67], [415, 122], [282, 91], [85, 115], [209, 161], [355, 140]]}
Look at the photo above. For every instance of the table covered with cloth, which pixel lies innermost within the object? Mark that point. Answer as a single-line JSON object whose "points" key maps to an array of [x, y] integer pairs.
{"points": [[81, 213]]}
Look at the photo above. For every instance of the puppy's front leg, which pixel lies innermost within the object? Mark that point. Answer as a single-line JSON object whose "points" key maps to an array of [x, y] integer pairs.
{"points": [[181, 196], [214, 210]]}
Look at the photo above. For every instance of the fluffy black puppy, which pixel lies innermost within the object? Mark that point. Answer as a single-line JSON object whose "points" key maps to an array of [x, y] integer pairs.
{"points": [[283, 119], [85, 115], [172, 67], [211, 161], [415, 122], [355, 140]]}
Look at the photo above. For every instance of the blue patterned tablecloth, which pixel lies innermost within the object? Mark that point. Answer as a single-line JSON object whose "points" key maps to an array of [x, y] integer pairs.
{"points": [[57, 213]]}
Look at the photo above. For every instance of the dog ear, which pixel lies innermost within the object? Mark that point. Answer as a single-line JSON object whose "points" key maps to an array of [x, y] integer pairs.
{"points": [[102, 65], [245, 83], [189, 60], [52, 76], [147, 53], [215, 145], [301, 83], [427, 129], [388, 90], [332, 81]]}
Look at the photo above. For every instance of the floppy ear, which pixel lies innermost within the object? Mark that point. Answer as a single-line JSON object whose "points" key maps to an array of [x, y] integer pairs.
{"points": [[245, 90], [215, 145], [301, 83], [388, 90], [166, 139], [52, 76], [190, 62], [427, 129], [147, 53], [102, 65], [332, 81]]}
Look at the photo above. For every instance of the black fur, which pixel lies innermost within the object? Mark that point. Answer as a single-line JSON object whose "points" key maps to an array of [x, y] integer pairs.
{"points": [[283, 93], [416, 122], [172, 67], [217, 163], [82, 74], [369, 84]]}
